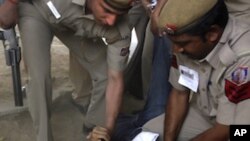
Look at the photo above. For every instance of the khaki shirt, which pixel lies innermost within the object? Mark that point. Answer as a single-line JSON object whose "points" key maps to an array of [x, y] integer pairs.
{"points": [[239, 9], [224, 77], [73, 17]]}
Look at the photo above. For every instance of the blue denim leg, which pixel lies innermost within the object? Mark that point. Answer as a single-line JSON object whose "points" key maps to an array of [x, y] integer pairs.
{"points": [[159, 86], [127, 127]]}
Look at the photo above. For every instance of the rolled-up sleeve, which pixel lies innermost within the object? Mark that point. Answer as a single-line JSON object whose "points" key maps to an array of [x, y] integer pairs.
{"points": [[117, 54]]}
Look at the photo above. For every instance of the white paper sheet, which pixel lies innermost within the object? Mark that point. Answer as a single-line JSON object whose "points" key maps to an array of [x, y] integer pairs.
{"points": [[146, 136]]}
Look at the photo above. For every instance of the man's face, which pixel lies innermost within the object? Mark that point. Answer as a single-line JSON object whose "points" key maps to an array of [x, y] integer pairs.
{"points": [[192, 46], [103, 13]]}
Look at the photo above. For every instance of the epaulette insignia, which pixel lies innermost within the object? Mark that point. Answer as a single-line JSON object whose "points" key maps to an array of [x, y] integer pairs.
{"points": [[124, 51]]}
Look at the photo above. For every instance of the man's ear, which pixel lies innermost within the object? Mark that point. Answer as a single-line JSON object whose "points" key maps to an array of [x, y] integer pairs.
{"points": [[214, 33]]}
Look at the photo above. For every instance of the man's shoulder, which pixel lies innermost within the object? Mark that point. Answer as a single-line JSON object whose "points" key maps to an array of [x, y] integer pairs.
{"points": [[79, 2], [238, 40]]}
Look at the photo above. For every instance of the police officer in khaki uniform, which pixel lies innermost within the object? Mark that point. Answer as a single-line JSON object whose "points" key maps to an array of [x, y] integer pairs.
{"points": [[237, 8], [138, 20], [80, 25], [211, 65]]}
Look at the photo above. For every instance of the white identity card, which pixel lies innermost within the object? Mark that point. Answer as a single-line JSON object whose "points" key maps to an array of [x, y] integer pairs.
{"points": [[188, 78]]}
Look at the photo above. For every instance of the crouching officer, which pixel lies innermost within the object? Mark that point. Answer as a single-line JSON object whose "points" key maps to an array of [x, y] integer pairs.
{"points": [[80, 25], [212, 61]]}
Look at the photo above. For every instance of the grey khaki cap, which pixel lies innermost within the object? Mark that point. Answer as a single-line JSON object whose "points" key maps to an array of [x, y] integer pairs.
{"points": [[177, 16], [119, 5]]}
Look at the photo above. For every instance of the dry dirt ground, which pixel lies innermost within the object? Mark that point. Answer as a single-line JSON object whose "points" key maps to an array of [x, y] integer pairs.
{"points": [[17, 126], [66, 118]]}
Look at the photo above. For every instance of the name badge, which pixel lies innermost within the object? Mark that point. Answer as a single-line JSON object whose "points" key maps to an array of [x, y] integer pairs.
{"points": [[53, 10], [188, 78]]}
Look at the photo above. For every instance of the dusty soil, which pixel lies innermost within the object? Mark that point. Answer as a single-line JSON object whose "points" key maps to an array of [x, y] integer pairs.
{"points": [[59, 71], [18, 126]]}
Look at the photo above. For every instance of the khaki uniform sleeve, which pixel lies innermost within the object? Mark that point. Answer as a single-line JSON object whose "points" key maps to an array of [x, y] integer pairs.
{"points": [[117, 37], [233, 106], [118, 50], [117, 54]]}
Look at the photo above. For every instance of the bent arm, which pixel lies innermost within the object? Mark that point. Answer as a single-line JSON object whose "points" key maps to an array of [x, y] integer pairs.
{"points": [[155, 16], [218, 132], [176, 111]]}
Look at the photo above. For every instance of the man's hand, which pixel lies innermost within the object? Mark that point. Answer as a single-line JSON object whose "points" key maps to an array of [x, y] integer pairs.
{"points": [[155, 17], [153, 13], [8, 14], [99, 134], [218, 132], [147, 6]]}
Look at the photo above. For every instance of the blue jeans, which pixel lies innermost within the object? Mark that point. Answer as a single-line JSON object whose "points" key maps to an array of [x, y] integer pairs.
{"points": [[128, 127], [159, 88]]}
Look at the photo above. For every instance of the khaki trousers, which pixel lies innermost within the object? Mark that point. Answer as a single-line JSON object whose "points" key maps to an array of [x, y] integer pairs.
{"points": [[194, 124], [36, 36], [81, 80]]}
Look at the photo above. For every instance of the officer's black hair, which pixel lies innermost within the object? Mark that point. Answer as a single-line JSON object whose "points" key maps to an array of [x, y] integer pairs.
{"points": [[218, 15]]}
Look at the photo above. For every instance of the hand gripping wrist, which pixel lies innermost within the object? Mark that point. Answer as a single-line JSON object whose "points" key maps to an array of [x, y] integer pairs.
{"points": [[99, 134]]}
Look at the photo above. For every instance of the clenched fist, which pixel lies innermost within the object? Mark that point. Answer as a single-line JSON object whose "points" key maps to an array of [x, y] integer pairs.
{"points": [[8, 14], [99, 134]]}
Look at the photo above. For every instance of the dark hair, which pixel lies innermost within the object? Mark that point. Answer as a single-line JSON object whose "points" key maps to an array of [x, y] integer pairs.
{"points": [[218, 15]]}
